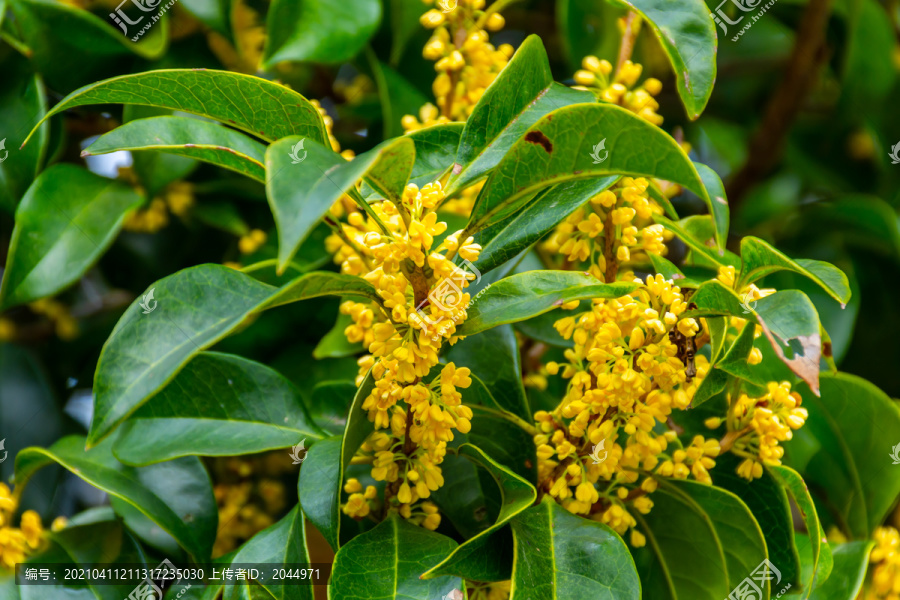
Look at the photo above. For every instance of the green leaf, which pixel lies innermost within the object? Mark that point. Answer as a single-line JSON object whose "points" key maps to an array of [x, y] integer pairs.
{"points": [[191, 138], [788, 318], [761, 259], [435, 151], [398, 97], [193, 309], [529, 294], [21, 103], [335, 344], [283, 543], [213, 13], [522, 93], [844, 452], [216, 397], [185, 508], [66, 221], [494, 357], [558, 149], [501, 435], [683, 557], [713, 257], [851, 560], [688, 36], [476, 558], [261, 108], [561, 556], [504, 240], [329, 404], [385, 563], [736, 528], [768, 501], [322, 475], [300, 194], [716, 202], [822, 561], [91, 44], [319, 30]]}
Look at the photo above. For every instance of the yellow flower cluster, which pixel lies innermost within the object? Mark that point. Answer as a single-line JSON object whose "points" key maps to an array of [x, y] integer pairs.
{"points": [[178, 198], [422, 302], [27, 539], [252, 241], [621, 88], [64, 324], [250, 496], [885, 558], [466, 62], [496, 590], [632, 365], [758, 424], [615, 226]]}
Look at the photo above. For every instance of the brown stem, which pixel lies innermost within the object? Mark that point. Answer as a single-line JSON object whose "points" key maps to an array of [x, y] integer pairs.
{"points": [[768, 142], [628, 39], [612, 265], [730, 438]]}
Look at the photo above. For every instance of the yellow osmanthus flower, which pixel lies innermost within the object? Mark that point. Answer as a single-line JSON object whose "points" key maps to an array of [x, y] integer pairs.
{"points": [[465, 61], [496, 590], [17, 543], [422, 302], [885, 566], [64, 324], [615, 225], [758, 424], [628, 371], [621, 88]]}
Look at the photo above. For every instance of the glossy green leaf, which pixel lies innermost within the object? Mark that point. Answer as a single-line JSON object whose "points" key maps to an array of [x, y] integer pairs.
{"points": [[91, 44], [184, 508], [768, 501], [21, 103], [522, 93], [788, 319], [301, 192], [213, 13], [844, 451], [493, 357], [761, 259], [716, 202], [435, 150], [561, 556], [822, 560], [683, 557], [385, 564], [476, 558], [284, 543], [215, 397], [529, 294], [697, 246], [397, 95], [851, 560], [189, 312], [504, 240], [59, 234], [558, 148], [335, 344], [687, 34], [322, 475], [501, 436], [192, 138], [259, 107], [739, 534], [319, 30]]}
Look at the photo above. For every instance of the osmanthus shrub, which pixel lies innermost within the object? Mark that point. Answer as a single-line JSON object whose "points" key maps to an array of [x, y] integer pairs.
{"points": [[546, 406]]}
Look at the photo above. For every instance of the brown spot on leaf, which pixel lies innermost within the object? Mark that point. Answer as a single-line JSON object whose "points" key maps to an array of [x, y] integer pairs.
{"points": [[538, 137], [528, 464], [826, 349]]}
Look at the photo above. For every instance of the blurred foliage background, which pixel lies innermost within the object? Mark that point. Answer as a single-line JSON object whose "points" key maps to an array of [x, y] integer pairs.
{"points": [[800, 126]]}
